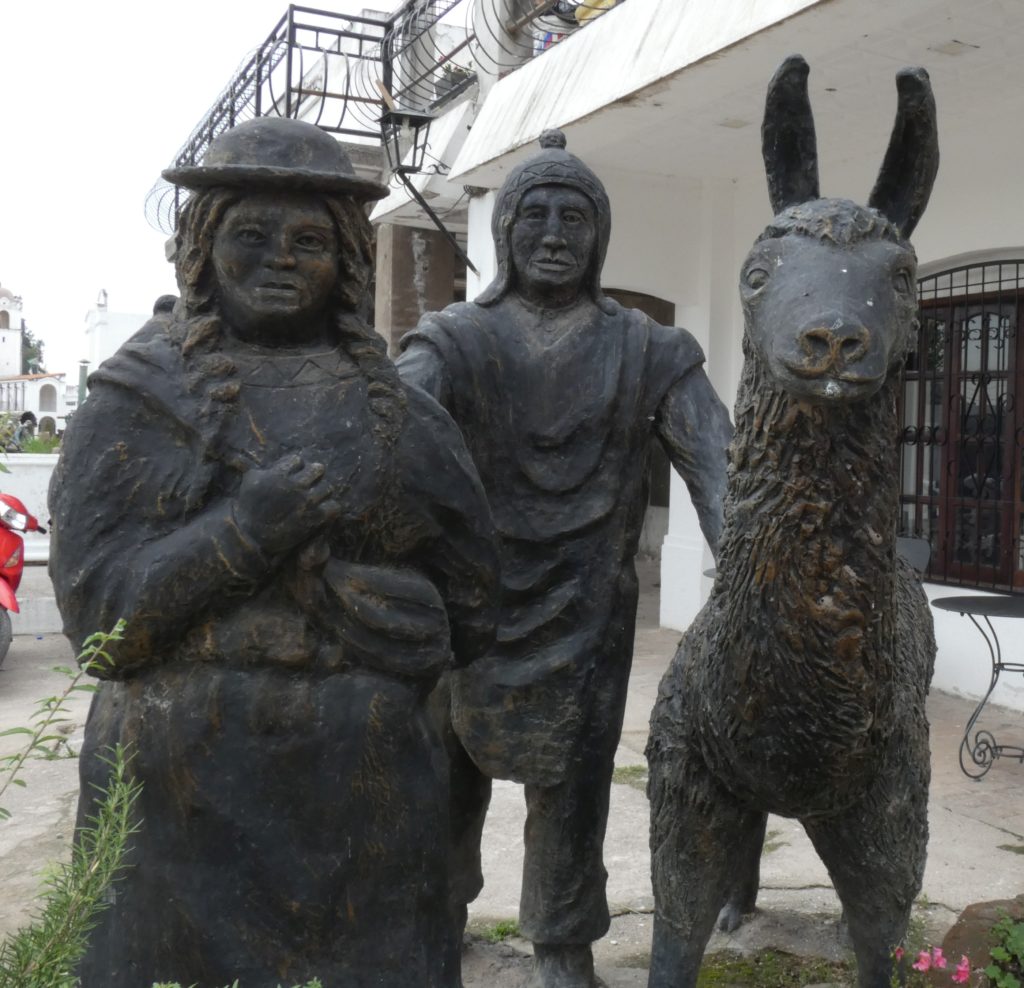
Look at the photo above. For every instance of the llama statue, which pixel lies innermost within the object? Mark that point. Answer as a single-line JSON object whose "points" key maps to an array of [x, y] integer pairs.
{"points": [[800, 688]]}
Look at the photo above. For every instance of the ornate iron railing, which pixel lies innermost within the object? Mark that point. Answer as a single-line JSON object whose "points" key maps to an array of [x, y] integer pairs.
{"points": [[307, 68], [334, 69]]}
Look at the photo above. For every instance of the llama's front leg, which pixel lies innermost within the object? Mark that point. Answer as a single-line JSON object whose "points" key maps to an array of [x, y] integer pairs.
{"points": [[875, 853], [696, 828]]}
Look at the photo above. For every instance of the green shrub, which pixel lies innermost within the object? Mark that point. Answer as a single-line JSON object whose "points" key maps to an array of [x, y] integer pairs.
{"points": [[1007, 953]]}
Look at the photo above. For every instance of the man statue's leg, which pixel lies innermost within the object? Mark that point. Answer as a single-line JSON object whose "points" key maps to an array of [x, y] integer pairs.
{"points": [[563, 908]]}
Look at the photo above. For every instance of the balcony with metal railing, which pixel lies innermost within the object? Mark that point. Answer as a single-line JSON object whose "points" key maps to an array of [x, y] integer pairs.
{"points": [[342, 71]]}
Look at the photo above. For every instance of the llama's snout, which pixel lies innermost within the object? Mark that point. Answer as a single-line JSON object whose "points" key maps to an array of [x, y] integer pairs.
{"points": [[830, 358], [830, 350]]}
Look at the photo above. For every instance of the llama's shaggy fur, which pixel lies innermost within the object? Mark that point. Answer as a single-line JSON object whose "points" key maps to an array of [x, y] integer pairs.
{"points": [[800, 688]]}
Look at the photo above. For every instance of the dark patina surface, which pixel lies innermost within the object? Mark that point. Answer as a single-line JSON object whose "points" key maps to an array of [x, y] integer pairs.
{"points": [[558, 391], [300, 546], [800, 688]]}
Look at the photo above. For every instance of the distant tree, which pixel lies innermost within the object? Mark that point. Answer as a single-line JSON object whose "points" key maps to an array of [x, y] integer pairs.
{"points": [[31, 352]]}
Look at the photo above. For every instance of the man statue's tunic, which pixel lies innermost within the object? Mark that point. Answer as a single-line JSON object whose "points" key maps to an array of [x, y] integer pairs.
{"points": [[559, 430]]}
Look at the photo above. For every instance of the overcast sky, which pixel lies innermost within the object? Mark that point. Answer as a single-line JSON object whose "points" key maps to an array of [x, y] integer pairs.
{"points": [[95, 99]]}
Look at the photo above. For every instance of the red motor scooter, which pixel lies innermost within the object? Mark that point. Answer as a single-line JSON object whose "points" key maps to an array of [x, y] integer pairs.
{"points": [[14, 518]]}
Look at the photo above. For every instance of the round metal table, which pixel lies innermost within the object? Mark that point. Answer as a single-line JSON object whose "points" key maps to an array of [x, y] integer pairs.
{"points": [[978, 753]]}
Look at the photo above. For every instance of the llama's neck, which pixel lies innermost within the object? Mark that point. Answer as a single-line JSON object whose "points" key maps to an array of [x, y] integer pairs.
{"points": [[811, 515], [797, 639]]}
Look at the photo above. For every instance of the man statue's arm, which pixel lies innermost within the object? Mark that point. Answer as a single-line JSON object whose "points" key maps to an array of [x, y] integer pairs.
{"points": [[694, 428], [421, 365]]}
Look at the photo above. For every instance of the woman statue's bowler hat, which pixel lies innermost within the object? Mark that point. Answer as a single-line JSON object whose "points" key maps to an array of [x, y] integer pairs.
{"points": [[277, 152]]}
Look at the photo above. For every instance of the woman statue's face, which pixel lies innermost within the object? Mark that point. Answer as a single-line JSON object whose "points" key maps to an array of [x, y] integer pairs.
{"points": [[275, 257]]}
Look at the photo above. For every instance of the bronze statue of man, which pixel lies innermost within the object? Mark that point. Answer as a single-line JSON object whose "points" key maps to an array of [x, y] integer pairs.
{"points": [[300, 546], [557, 390]]}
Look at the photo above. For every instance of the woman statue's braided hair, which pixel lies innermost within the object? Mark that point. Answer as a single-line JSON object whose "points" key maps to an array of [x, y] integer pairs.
{"points": [[212, 373]]}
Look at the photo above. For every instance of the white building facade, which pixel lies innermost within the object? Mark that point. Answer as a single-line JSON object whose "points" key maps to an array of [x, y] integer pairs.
{"points": [[663, 99], [12, 326], [45, 395]]}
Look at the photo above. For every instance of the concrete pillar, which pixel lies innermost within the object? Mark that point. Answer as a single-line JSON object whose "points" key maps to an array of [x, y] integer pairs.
{"points": [[684, 553], [480, 243], [415, 275]]}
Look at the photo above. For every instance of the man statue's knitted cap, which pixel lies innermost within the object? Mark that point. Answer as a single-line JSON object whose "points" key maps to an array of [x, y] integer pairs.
{"points": [[552, 165]]}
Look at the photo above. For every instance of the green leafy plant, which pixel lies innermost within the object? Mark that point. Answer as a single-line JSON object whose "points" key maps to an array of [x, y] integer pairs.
{"points": [[40, 444], [1007, 967], [43, 954], [44, 741]]}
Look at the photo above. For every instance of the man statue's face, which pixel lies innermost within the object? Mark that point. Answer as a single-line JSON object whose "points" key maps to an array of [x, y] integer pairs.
{"points": [[553, 238]]}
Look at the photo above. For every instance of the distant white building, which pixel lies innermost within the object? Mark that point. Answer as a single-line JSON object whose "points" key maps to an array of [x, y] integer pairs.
{"points": [[105, 330], [42, 394], [12, 325]]}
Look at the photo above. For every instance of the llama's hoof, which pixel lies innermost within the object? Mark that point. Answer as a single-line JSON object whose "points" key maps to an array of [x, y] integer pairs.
{"points": [[730, 918], [562, 966]]}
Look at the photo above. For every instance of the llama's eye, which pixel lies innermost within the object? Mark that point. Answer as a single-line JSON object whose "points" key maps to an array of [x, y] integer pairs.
{"points": [[756, 277], [903, 282]]}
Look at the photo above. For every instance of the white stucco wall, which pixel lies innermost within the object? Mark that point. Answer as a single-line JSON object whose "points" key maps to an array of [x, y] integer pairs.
{"points": [[29, 481]]}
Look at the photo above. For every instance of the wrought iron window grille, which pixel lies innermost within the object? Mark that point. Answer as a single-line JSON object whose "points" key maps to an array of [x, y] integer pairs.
{"points": [[962, 443]]}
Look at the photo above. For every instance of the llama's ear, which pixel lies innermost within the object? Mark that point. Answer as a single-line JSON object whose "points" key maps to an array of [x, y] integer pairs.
{"points": [[908, 173], [787, 137]]}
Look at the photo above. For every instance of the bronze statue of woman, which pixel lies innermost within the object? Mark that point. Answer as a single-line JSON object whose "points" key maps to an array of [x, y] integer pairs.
{"points": [[300, 546]]}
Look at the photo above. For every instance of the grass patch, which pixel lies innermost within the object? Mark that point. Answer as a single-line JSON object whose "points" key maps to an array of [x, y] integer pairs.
{"points": [[504, 929], [769, 969], [631, 775]]}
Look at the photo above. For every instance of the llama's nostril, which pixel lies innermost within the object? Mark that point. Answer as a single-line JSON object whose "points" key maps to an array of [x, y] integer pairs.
{"points": [[852, 348], [817, 343]]}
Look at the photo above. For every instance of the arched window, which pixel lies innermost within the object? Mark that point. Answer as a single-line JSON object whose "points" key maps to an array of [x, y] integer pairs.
{"points": [[963, 436], [47, 425], [47, 398]]}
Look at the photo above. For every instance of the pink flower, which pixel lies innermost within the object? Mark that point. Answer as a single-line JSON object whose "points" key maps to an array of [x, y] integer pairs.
{"points": [[938, 958], [898, 953], [923, 962], [963, 970]]}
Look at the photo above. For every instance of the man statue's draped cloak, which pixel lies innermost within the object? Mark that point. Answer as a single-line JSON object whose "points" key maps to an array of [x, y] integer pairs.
{"points": [[559, 432]]}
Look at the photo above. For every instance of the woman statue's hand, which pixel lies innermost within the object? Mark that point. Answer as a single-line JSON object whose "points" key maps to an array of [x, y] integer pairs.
{"points": [[285, 504]]}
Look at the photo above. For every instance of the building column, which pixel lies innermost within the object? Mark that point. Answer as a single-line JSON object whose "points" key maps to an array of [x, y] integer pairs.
{"points": [[415, 275], [480, 242], [684, 553]]}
